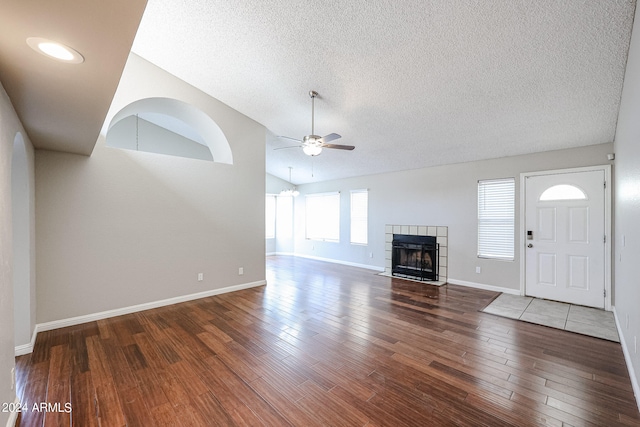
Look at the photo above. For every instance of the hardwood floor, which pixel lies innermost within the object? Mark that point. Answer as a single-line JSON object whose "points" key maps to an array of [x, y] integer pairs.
{"points": [[324, 344]]}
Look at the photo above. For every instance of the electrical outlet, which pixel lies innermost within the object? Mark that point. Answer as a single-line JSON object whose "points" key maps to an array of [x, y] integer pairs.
{"points": [[240, 271], [200, 277], [478, 270], [370, 254]]}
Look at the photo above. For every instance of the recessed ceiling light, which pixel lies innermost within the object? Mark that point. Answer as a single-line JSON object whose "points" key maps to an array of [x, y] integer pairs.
{"points": [[55, 50]]}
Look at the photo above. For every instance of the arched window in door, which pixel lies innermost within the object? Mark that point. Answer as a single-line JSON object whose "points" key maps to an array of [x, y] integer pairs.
{"points": [[562, 192]]}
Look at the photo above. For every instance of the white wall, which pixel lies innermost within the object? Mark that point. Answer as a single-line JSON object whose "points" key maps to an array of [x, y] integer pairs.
{"points": [[10, 126], [445, 196], [23, 242], [132, 134], [123, 227], [274, 185], [627, 210]]}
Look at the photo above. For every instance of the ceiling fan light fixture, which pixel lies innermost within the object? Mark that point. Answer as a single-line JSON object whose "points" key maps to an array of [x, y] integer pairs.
{"points": [[313, 144], [312, 150]]}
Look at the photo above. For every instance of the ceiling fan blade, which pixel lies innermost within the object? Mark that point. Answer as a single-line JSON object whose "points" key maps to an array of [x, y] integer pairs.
{"points": [[330, 137], [338, 146], [290, 146], [288, 137]]}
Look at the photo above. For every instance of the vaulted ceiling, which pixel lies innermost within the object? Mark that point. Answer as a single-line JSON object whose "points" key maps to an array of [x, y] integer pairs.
{"points": [[62, 106], [411, 84]]}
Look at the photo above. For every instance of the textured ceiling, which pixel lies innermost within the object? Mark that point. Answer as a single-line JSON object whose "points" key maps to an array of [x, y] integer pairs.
{"points": [[411, 84]]}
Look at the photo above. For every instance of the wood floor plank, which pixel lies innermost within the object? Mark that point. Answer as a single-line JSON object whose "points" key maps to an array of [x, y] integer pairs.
{"points": [[241, 395], [283, 404], [325, 344], [135, 407], [212, 410], [58, 388], [83, 401], [35, 394], [322, 404], [110, 405], [187, 375]]}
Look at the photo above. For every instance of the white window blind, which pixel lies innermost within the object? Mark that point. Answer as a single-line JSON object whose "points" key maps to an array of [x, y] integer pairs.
{"points": [[359, 216], [496, 218], [323, 216], [270, 216]]}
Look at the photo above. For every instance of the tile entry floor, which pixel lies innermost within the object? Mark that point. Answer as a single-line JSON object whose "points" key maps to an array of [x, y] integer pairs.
{"points": [[575, 318]]}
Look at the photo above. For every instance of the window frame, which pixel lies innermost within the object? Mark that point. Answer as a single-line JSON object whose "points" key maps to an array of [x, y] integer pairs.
{"points": [[313, 217], [266, 216], [361, 219], [496, 211]]}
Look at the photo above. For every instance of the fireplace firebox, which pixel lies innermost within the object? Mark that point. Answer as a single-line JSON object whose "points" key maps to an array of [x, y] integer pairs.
{"points": [[415, 257]]}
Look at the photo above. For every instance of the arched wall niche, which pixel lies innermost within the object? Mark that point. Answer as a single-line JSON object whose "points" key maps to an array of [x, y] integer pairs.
{"points": [[205, 130]]}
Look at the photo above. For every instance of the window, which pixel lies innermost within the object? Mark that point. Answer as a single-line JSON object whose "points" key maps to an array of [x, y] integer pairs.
{"points": [[496, 218], [270, 216], [323, 216], [563, 192], [359, 216], [284, 217]]}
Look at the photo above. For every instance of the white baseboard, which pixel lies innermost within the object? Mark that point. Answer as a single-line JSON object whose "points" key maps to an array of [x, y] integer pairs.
{"points": [[627, 359], [282, 253], [27, 348], [483, 286], [338, 261], [13, 416], [62, 323]]}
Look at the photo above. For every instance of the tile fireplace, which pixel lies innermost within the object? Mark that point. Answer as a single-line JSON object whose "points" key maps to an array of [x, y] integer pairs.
{"points": [[417, 252]]}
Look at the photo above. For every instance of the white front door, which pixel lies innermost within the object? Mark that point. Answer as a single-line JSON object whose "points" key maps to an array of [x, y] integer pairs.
{"points": [[565, 237]]}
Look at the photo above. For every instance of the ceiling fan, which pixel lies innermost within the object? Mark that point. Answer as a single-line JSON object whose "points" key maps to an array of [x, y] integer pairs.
{"points": [[312, 145]]}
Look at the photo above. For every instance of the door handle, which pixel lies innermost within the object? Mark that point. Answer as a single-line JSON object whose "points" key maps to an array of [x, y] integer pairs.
{"points": [[530, 245]]}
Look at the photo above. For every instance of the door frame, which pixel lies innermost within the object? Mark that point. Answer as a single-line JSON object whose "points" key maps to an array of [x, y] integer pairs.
{"points": [[607, 224]]}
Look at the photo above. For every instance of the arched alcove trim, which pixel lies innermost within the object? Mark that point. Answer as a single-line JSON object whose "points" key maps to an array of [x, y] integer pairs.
{"points": [[202, 123]]}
